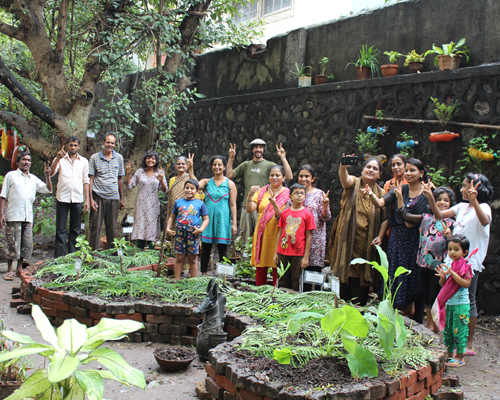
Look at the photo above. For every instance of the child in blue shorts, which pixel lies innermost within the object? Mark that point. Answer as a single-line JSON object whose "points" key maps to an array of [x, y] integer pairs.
{"points": [[188, 213]]}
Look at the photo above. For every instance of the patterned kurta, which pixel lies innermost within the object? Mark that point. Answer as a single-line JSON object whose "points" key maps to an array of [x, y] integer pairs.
{"points": [[147, 206]]}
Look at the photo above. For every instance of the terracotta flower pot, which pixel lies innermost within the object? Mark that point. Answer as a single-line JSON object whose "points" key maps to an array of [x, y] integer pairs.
{"points": [[447, 62], [320, 79], [363, 72], [416, 66], [389, 69]]}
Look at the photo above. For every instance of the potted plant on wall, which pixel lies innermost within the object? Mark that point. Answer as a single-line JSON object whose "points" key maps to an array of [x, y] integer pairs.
{"points": [[448, 55], [392, 68], [367, 62], [415, 61], [321, 78], [304, 77]]}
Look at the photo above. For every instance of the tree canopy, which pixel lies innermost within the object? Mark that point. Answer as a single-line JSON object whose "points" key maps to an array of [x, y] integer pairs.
{"points": [[54, 52]]}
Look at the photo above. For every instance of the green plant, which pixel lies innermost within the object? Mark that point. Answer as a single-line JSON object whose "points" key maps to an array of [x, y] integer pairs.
{"points": [[301, 71], [407, 151], [445, 112], [451, 49], [367, 142], [393, 56], [331, 77], [368, 58], [413, 56], [74, 345], [436, 176], [84, 253], [44, 224], [15, 369], [322, 64], [379, 113]]}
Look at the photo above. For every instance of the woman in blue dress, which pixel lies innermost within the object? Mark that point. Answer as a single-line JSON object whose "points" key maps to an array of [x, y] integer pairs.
{"points": [[220, 200]]}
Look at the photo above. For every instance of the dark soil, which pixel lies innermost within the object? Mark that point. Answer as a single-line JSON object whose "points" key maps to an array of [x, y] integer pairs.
{"points": [[175, 353], [319, 372]]}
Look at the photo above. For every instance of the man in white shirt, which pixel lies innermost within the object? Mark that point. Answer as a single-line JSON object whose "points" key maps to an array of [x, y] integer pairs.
{"points": [[19, 189], [72, 188]]}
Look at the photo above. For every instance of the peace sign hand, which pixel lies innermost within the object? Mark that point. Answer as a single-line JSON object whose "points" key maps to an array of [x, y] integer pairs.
{"points": [[232, 151], [61, 153], [367, 191], [326, 200], [46, 168], [426, 189], [190, 160], [472, 192], [272, 197], [281, 151], [398, 190]]}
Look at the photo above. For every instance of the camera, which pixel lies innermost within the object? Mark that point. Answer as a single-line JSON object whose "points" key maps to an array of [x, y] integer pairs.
{"points": [[349, 160]]}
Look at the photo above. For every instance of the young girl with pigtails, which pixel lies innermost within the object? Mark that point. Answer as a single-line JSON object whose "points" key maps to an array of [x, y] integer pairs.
{"points": [[472, 219]]}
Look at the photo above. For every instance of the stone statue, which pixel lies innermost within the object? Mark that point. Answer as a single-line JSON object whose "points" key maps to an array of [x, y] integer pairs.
{"points": [[210, 331]]}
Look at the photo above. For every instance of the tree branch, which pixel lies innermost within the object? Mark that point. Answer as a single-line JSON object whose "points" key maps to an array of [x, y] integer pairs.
{"points": [[62, 21], [9, 30], [32, 103], [30, 135]]}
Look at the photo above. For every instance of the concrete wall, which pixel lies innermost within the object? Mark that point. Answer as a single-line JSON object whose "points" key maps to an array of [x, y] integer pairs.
{"points": [[404, 26]]}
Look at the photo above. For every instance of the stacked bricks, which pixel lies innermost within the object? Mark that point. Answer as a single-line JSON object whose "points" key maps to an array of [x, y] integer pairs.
{"points": [[163, 323], [226, 380]]}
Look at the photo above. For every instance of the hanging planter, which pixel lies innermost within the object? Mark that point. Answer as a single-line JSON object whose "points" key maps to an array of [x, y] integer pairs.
{"points": [[406, 145], [9, 142], [443, 136], [481, 155]]}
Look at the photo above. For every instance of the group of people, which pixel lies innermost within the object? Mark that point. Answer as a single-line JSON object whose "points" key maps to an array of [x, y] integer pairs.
{"points": [[421, 227], [441, 243]]}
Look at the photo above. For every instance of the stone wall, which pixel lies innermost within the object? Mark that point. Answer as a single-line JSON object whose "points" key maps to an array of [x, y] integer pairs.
{"points": [[317, 124], [402, 27]]}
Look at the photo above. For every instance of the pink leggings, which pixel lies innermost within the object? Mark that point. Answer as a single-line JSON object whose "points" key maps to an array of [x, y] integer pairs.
{"points": [[261, 276]]}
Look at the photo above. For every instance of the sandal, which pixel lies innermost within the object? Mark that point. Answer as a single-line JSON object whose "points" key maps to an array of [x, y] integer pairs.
{"points": [[455, 363], [18, 273], [8, 278], [470, 353]]}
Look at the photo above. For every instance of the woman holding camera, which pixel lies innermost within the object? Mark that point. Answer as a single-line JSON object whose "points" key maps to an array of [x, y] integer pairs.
{"points": [[359, 226], [404, 239]]}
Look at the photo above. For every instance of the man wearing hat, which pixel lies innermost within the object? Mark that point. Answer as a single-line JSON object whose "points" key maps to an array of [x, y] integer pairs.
{"points": [[254, 172]]}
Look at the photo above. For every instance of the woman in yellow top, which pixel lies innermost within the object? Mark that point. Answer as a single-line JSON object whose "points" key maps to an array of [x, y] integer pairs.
{"points": [[269, 201]]}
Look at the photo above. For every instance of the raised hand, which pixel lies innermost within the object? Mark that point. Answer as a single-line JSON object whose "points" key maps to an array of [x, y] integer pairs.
{"points": [[46, 168], [190, 160], [398, 190], [376, 241], [160, 175], [472, 192], [128, 167], [426, 189], [253, 189], [232, 151], [272, 197], [281, 151], [61, 153], [446, 230], [326, 200], [367, 191], [441, 271]]}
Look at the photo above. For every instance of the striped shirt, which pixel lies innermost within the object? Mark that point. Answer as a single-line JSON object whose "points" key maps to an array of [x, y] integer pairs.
{"points": [[106, 173]]}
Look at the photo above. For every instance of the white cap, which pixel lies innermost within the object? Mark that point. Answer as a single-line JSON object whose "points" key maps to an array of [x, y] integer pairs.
{"points": [[257, 141]]}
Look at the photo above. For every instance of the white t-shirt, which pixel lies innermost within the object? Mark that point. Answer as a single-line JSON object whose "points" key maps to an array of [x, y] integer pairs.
{"points": [[467, 223]]}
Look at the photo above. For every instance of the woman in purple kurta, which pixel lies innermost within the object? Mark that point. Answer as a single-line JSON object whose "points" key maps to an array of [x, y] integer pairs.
{"points": [[318, 203], [150, 179]]}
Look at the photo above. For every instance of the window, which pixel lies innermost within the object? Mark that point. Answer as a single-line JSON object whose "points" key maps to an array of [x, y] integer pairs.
{"points": [[247, 12], [273, 6]]}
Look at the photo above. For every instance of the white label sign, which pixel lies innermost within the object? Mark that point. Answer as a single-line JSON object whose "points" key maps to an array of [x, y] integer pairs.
{"points": [[82, 227], [90, 134], [335, 286], [120, 252], [130, 219], [224, 269], [78, 265], [128, 229], [314, 277]]}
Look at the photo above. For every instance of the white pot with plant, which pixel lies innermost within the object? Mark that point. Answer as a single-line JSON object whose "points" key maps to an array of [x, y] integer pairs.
{"points": [[303, 76]]}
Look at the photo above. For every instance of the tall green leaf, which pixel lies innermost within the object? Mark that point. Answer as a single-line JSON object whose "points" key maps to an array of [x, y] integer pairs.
{"points": [[72, 335], [109, 329], [386, 336], [383, 257], [92, 383], [333, 320], [348, 341], [362, 363], [16, 337], [400, 271], [22, 352], [75, 392], [61, 367], [44, 326], [401, 332], [355, 323], [119, 367]]}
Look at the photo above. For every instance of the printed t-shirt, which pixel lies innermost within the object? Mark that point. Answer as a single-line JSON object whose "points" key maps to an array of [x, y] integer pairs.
{"points": [[189, 212], [467, 223], [462, 294], [294, 225], [253, 173]]}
